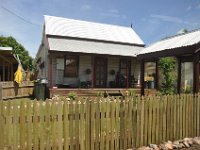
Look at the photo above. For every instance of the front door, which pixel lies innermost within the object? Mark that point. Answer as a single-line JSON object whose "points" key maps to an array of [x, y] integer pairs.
{"points": [[100, 72], [125, 71]]}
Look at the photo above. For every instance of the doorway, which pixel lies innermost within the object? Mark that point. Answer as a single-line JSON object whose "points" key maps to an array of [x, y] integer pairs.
{"points": [[100, 72]]}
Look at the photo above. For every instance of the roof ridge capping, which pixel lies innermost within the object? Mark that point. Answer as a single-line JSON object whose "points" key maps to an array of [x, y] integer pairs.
{"points": [[179, 34], [90, 30], [100, 23]]}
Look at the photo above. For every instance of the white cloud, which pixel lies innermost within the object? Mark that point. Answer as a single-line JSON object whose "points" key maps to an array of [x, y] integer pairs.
{"points": [[143, 19], [86, 7], [158, 19], [124, 17], [110, 15], [189, 8], [198, 6], [167, 18], [114, 11]]}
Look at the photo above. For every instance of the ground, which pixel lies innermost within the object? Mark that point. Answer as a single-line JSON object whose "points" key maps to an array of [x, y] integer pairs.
{"points": [[195, 147]]}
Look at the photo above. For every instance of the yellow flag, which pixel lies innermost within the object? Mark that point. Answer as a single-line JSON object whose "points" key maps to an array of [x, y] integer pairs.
{"points": [[18, 75]]}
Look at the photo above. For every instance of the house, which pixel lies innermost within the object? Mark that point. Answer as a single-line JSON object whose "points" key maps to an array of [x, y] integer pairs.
{"points": [[82, 54], [8, 64], [185, 48]]}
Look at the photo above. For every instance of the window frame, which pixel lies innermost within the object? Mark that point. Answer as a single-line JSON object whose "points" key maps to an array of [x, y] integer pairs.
{"points": [[76, 67], [127, 62]]}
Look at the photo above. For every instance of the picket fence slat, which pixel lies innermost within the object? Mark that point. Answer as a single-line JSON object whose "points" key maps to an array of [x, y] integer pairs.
{"points": [[182, 132], [130, 122], [35, 126], [87, 133], [146, 102], [41, 125], [76, 124], [29, 125], [111, 123], [47, 124], [177, 117], [22, 125], [82, 126], [103, 128], [112, 116], [93, 126], [60, 125], [117, 105], [149, 120], [15, 125], [142, 123]]}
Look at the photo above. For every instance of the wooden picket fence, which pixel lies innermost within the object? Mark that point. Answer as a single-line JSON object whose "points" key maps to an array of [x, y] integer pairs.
{"points": [[98, 123]]}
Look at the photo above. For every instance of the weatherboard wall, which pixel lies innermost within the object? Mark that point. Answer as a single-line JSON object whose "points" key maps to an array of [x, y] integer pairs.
{"points": [[85, 62]]}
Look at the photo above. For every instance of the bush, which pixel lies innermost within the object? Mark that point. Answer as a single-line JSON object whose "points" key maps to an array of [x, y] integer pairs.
{"points": [[72, 95], [167, 66]]}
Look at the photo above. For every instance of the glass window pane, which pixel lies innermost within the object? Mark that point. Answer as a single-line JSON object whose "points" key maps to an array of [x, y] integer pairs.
{"points": [[187, 77], [71, 66], [149, 77]]}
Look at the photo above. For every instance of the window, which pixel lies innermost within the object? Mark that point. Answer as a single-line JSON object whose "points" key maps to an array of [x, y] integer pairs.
{"points": [[71, 66], [187, 77], [125, 66], [150, 73]]}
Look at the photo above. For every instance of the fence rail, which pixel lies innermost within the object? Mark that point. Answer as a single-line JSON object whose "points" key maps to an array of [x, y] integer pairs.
{"points": [[100, 123], [11, 90]]}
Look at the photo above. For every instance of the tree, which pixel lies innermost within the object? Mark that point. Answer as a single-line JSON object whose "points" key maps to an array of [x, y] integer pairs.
{"points": [[167, 66], [26, 60]]}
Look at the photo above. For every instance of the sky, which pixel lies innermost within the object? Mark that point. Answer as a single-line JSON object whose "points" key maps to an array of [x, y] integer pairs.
{"points": [[152, 20]]}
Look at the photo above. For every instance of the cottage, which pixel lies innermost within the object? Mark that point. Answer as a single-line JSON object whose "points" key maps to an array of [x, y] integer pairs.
{"points": [[8, 64], [185, 48], [82, 54]]}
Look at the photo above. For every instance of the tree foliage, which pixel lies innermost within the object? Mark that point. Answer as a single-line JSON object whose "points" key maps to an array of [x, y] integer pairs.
{"points": [[26, 60], [167, 66]]}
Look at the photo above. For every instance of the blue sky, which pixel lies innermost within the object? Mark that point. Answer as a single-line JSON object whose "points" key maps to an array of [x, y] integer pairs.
{"points": [[152, 20]]}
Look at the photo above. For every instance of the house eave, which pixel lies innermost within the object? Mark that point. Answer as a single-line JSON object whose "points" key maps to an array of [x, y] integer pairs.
{"points": [[94, 40]]}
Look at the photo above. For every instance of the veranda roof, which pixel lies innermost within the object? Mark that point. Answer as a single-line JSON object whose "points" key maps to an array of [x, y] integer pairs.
{"points": [[92, 47], [7, 56], [180, 43]]}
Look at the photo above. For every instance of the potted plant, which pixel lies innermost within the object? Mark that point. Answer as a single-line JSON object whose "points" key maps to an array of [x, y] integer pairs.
{"points": [[112, 72], [88, 71]]}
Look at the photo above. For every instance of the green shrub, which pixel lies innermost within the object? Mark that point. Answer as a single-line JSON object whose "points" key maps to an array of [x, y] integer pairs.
{"points": [[72, 95], [131, 92], [100, 94], [167, 66]]}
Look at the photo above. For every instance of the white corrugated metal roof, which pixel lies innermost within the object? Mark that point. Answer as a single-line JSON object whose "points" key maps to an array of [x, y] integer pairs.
{"points": [[177, 41], [90, 30], [6, 48], [83, 46]]}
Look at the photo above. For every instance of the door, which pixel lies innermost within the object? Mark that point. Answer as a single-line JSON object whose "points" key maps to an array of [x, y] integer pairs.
{"points": [[100, 72], [125, 72]]}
